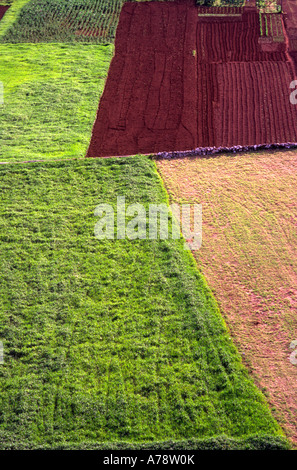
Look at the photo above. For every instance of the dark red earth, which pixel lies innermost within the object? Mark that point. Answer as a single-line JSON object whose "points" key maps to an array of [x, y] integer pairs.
{"points": [[181, 79], [3, 10]]}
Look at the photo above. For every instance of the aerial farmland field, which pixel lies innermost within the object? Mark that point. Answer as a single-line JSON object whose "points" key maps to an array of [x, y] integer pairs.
{"points": [[128, 341], [249, 258], [182, 79]]}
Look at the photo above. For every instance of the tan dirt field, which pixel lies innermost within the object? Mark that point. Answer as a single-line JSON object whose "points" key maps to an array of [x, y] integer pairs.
{"points": [[249, 258]]}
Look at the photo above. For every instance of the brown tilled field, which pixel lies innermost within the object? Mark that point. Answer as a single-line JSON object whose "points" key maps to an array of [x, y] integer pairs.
{"points": [[185, 77]]}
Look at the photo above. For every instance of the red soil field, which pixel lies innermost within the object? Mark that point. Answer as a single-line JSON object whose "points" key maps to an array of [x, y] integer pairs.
{"points": [[290, 10], [290, 19], [183, 79], [3, 10]]}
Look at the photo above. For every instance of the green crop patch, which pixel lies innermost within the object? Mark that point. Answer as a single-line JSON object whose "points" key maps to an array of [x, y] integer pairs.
{"points": [[65, 21], [62, 21], [51, 95], [111, 343]]}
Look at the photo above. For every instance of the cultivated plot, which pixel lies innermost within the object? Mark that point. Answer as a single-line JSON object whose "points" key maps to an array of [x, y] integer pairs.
{"points": [[50, 96], [183, 77]]}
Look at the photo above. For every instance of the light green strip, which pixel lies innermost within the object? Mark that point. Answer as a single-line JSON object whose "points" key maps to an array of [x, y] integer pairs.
{"points": [[11, 15]]}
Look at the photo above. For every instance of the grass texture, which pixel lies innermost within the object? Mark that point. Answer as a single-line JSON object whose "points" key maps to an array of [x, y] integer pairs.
{"points": [[34, 21], [51, 95], [112, 343]]}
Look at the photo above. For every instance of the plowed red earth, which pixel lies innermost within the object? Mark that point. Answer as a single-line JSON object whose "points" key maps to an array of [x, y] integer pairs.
{"points": [[3, 10], [181, 80]]}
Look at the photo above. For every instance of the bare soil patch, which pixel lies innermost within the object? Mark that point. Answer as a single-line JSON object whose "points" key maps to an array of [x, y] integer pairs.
{"points": [[249, 258]]}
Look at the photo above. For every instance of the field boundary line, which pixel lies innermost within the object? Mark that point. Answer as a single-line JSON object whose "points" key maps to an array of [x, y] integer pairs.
{"points": [[199, 152], [48, 160], [208, 151]]}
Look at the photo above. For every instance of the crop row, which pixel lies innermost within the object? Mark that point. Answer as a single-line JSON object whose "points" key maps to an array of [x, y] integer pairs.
{"points": [[209, 4], [237, 41], [271, 25], [66, 20], [252, 107], [177, 84], [228, 10]]}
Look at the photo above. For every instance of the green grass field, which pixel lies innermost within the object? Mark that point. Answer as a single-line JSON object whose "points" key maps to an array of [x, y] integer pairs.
{"points": [[51, 95], [107, 344], [110, 341]]}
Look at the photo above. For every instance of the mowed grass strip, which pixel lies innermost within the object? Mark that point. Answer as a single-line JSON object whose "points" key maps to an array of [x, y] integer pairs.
{"points": [[51, 94], [249, 258], [112, 341]]}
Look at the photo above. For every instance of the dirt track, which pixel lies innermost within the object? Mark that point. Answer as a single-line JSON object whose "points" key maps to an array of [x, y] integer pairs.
{"points": [[181, 80], [290, 10]]}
